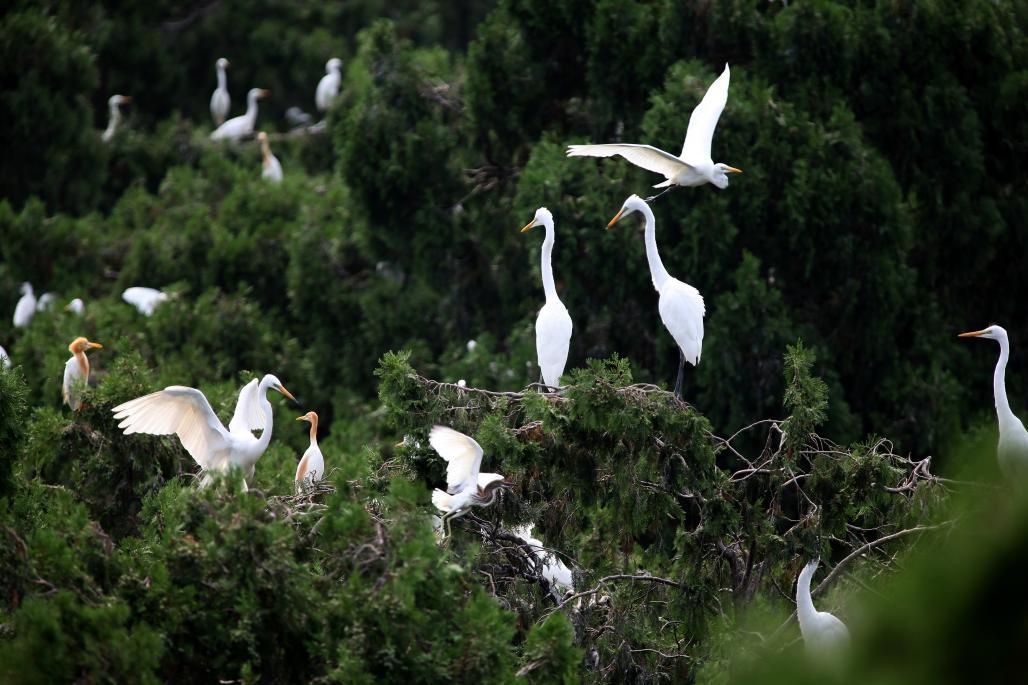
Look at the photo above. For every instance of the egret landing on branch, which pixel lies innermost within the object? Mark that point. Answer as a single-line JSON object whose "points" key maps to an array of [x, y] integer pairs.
{"points": [[76, 371], [243, 125], [466, 487], [221, 101], [693, 167], [553, 325], [824, 634], [312, 466], [681, 305], [1012, 451]]}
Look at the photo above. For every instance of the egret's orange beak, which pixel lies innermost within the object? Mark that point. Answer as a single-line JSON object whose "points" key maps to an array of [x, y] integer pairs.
{"points": [[302, 418], [93, 344], [265, 92], [529, 226], [971, 334], [282, 389], [617, 218], [732, 170]]}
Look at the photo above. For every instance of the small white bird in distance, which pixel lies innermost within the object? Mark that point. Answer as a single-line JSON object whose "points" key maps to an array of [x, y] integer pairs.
{"points": [[694, 167], [221, 101], [242, 126], [144, 299], [26, 307], [45, 301], [312, 465], [824, 634], [466, 486], [187, 413], [5, 359], [270, 168], [76, 306], [328, 86], [553, 325], [551, 568], [113, 105], [76, 372]]}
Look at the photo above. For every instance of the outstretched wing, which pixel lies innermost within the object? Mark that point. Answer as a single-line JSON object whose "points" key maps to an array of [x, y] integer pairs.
{"points": [[462, 454], [703, 120], [248, 416], [179, 410], [645, 156]]}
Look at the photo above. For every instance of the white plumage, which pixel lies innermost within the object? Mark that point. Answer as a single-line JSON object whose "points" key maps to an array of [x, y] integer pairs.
{"points": [[270, 167], [328, 86], [76, 372], [5, 360], [242, 126], [25, 309], [113, 105], [76, 306], [552, 568], [144, 299], [824, 634], [45, 301], [311, 468], [466, 487], [221, 101], [553, 325]]}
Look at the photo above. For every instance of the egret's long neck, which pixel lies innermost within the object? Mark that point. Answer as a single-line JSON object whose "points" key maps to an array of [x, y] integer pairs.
{"points": [[999, 385], [251, 109], [657, 271], [112, 122], [547, 253], [805, 610], [265, 150], [269, 419], [314, 431], [222, 78], [83, 361]]}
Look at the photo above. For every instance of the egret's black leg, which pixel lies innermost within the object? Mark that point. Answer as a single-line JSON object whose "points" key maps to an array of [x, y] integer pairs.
{"points": [[651, 198], [681, 373]]}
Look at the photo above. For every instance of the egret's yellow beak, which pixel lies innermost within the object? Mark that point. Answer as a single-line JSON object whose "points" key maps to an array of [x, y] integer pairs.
{"points": [[93, 344], [282, 389], [529, 226], [265, 93], [301, 418], [617, 218], [971, 334], [732, 170]]}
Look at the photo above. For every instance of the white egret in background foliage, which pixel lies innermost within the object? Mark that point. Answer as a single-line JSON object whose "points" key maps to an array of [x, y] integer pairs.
{"points": [[76, 306], [1012, 451], [45, 301], [270, 168], [681, 305], [553, 325], [242, 126], [187, 413], [114, 106], [328, 86], [26, 307], [466, 486], [221, 101], [694, 167], [824, 634], [312, 465], [76, 371], [551, 568], [144, 299], [5, 359]]}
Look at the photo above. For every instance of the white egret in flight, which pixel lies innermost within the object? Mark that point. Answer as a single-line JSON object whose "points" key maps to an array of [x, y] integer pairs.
{"points": [[243, 125], [113, 105], [681, 305], [328, 86], [552, 569], [26, 307], [823, 633], [312, 466], [187, 413], [693, 167], [466, 486], [144, 299], [76, 371], [45, 301], [76, 306], [1012, 451], [221, 101], [272, 170], [553, 325]]}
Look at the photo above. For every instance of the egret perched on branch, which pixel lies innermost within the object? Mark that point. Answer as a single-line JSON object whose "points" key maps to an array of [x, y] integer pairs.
{"points": [[553, 325], [144, 299], [693, 167], [681, 305], [221, 101], [243, 125], [312, 466], [26, 307], [76, 371], [76, 306], [1012, 451], [552, 569], [466, 486], [823, 633], [272, 170], [328, 86], [113, 105], [187, 413]]}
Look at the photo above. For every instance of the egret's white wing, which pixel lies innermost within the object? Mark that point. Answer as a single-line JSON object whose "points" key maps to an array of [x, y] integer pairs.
{"points": [[233, 129], [552, 340], [74, 377], [179, 410], [681, 310], [248, 416], [462, 454], [645, 156], [143, 299], [703, 120], [24, 310], [328, 89], [312, 465]]}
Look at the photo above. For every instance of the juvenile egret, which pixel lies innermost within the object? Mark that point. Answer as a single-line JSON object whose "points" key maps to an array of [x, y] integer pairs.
{"points": [[76, 306], [5, 360], [187, 413], [272, 170], [113, 105], [76, 371], [221, 101], [312, 466], [466, 486], [144, 299], [693, 167], [552, 569], [681, 305], [26, 306], [553, 325], [45, 301], [823, 633], [242, 126], [328, 86], [1012, 451]]}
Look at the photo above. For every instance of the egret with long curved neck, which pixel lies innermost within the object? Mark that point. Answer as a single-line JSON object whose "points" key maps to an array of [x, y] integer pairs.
{"points": [[823, 633], [1012, 450], [221, 101], [681, 305], [243, 125], [113, 105], [553, 325]]}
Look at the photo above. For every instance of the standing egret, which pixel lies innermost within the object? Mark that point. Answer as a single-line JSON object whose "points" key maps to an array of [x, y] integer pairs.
{"points": [[693, 167], [5, 360], [328, 86], [26, 307], [551, 568], [45, 301], [76, 306], [113, 105], [681, 305], [76, 371], [187, 413], [144, 299], [221, 101], [553, 325], [823, 633], [312, 466], [272, 170], [466, 486], [1012, 451], [243, 125]]}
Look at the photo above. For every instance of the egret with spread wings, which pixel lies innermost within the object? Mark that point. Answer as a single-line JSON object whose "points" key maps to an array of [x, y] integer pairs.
{"points": [[466, 486]]}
